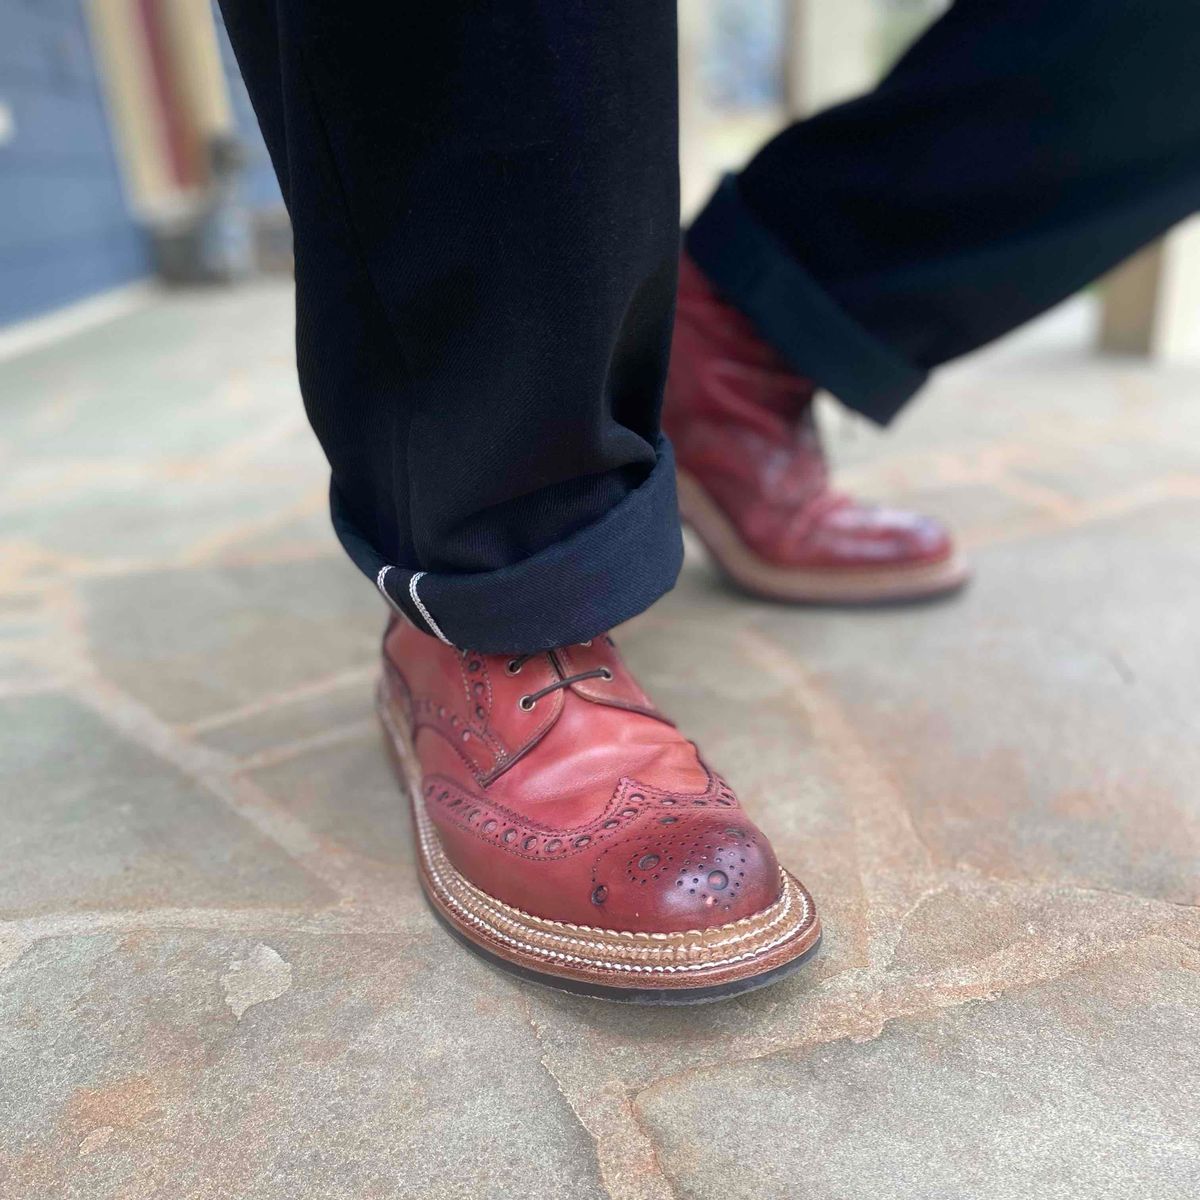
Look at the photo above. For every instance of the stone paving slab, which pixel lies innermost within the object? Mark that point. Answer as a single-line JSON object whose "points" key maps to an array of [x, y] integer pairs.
{"points": [[266, 726], [1084, 773], [345, 792], [91, 821], [217, 974], [989, 1098], [166, 372], [193, 643], [149, 519], [184, 1064]]}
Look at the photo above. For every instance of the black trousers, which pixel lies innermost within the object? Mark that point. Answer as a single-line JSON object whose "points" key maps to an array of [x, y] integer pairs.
{"points": [[485, 209]]}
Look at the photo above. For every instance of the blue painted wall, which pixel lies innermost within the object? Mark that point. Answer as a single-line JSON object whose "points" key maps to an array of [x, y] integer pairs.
{"points": [[65, 227]]}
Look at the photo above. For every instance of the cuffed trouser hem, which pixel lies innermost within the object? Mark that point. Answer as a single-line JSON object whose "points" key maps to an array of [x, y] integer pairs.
{"points": [[573, 590], [792, 311]]}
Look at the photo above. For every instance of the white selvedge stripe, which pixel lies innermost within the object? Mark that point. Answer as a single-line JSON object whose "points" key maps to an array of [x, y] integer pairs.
{"points": [[433, 625], [386, 594], [412, 591], [431, 852]]}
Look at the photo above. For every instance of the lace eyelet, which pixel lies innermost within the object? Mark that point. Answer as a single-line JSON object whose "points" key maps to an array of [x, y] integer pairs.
{"points": [[606, 674], [526, 703], [512, 667]]}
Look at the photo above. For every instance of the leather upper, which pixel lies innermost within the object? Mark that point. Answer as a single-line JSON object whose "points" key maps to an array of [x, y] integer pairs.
{"points": [[742, 424], [585, 805]]}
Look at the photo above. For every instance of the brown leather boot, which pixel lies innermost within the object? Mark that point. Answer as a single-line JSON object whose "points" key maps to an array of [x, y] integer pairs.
{"points": [[753, 480], [568, 832]]}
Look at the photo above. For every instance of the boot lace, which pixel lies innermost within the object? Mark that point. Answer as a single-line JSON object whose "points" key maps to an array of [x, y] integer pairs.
{"points": [[527, 702]]}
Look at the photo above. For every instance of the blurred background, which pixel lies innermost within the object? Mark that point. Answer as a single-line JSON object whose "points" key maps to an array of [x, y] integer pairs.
{"points": [[129, 151]]}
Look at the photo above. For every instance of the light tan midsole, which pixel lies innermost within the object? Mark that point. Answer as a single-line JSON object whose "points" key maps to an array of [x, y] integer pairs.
{"points": [[722, 541], [585, 946]]}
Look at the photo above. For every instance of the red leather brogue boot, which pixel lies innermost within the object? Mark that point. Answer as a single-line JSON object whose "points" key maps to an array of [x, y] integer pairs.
{"points": [[569, 833], [753, 480]]}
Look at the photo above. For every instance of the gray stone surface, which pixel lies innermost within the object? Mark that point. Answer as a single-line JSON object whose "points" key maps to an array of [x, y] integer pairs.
{"points": [[1042, 726], [335, 707], [367, 1067], [1082, 1087], [218, 978], [91, 821], [345, 793], [249, 630]]}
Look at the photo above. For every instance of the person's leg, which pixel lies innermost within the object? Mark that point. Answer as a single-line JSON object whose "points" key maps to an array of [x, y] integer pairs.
{"points": [[484, 201], [486, 220], [1015, 153]]}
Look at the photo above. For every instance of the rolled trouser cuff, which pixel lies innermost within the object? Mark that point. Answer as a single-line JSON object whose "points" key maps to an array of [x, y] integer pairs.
{"points": [[596, 578], [792, 311]]}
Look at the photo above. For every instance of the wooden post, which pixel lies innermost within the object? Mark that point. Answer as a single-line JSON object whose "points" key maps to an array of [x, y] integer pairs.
{"points": [[1152, 301]]}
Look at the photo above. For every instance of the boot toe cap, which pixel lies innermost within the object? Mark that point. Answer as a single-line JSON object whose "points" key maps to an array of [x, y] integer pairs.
{"points": [[875, 535], [686, 872]]}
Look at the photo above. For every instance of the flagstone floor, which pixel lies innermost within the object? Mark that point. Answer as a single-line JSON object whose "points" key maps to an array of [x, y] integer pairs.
{"points": [[217, 977]]}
